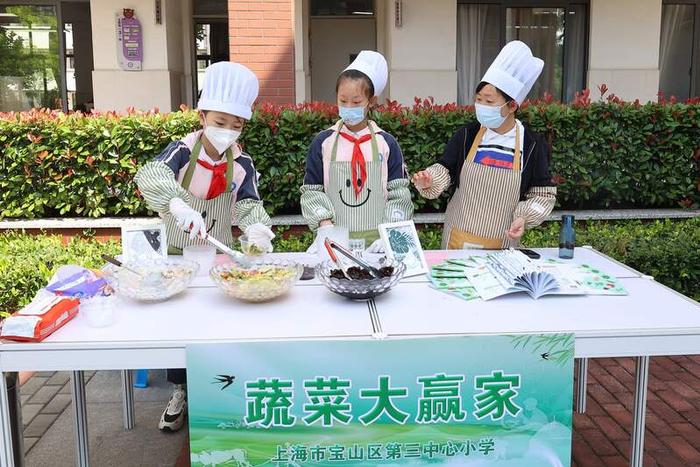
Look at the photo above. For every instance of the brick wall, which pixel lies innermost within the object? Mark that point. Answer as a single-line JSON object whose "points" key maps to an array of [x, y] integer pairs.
{"points": [[262, 38]]}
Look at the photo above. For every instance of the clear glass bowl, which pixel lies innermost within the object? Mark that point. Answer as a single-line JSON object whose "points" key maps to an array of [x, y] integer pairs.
{"points": [[258, 282], [159, 280], [359, 289]]}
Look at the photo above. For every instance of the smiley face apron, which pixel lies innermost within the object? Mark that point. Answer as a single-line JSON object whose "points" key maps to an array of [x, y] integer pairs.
{"points": [[216, 212], [481, 210], [360, 214]]}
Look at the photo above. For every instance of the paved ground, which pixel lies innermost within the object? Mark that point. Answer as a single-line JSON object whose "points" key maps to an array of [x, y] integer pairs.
{"points": [[48, 422], [601, 435]]}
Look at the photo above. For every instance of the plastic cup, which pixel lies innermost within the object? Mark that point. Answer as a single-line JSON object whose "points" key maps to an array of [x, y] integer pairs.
{"points": [[204, 255], [99, 310], [247, 248]]}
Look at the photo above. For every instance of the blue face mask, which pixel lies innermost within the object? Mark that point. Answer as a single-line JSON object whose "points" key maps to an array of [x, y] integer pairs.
{"points": [[489, 116], [351, 115]]}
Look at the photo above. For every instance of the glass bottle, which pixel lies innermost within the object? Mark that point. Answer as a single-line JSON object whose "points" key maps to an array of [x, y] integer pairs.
{"points": [[567, 237]]}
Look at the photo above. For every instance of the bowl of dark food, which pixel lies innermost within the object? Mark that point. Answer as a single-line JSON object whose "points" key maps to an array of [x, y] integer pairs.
{"points": [[360, 284]]}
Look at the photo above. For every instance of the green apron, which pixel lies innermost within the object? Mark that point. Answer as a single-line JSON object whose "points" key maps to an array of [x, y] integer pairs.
{"points": [[363, 214], [216, 212]]}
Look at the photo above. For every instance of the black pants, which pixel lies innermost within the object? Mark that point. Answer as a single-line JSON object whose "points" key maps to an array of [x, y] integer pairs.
{"points": [[177, 375]]}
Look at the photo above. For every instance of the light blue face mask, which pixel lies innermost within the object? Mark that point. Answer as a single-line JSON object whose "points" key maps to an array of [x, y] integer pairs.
{"points": [[351, 115], [489, 116]]}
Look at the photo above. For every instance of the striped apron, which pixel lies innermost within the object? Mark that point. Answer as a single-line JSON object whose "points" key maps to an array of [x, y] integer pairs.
{"points": [[360, 215], [216, 212], [481, 210]]}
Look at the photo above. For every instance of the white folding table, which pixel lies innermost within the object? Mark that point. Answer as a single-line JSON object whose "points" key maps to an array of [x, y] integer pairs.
{"points": [[156, 335], [651, 320]]}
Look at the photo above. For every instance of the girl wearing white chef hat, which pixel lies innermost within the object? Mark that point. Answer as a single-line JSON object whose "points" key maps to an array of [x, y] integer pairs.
{"points": [[202, 182], [355, 175], [498, 169]]}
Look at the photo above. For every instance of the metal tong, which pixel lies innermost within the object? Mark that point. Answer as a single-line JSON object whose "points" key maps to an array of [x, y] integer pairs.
{"points": [[334, 257], [348, 254]]}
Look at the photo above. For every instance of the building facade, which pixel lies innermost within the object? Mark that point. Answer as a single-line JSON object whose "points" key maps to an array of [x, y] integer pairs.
{"points": [[66, 54]]}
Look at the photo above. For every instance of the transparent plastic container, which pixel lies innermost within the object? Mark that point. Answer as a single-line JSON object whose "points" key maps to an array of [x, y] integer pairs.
{"points": [[99, 311], [248, 248]]}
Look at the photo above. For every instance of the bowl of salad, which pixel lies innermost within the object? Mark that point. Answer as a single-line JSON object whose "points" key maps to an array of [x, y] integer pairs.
{"points": [[258, 282]]}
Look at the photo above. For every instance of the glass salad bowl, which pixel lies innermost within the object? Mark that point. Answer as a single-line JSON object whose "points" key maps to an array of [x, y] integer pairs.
{"points": [[258, 282], [151, 280], [361, 285]]}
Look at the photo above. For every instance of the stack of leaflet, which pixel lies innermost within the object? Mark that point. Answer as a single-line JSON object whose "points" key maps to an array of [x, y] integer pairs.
{"points": [[592, 280], [450, 277]]}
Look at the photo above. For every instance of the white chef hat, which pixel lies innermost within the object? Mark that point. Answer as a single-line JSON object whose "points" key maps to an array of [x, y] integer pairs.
{"points": [[373, 64], [514, 70], [230, 88]]}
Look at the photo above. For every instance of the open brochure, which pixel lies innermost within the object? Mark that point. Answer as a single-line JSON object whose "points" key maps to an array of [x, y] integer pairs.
{"points": [[510, 271], [498, 274]]}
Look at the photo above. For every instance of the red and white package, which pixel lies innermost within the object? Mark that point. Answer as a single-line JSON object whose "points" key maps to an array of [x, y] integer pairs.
{"points": [[44, 315]]}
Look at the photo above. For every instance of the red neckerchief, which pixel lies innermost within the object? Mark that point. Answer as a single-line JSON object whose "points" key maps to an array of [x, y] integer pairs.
{"points": [[218, 178], [358, 161]]}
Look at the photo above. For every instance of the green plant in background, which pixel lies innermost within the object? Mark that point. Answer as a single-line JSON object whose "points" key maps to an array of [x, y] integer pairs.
{"points": [[668, 250], [286, 241], [604, 154], [24, 58], [27, 262], [430, 237]]}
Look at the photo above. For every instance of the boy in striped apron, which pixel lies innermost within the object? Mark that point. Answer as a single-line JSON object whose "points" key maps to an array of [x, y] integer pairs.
{"points": [[355, 174], [498, 168], [203, 182]]}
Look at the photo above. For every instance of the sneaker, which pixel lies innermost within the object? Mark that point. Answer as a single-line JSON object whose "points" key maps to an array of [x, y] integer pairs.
{"points": [[173, 416]]}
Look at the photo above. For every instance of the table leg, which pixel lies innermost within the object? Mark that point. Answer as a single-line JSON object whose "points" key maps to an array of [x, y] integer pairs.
{"points": [[77, 380], [128, 398], [582, 383], [6, 454], [640, 406]]}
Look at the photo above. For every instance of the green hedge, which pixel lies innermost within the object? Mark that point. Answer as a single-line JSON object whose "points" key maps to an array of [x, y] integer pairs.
{"points": [[605, 154], [27, 262], [668, 250]]}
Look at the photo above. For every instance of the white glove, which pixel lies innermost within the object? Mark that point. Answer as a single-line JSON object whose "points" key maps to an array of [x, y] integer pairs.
{"points": [[321, 233], [332, 232], [261, 236], [188, 219], [377, 246]]}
